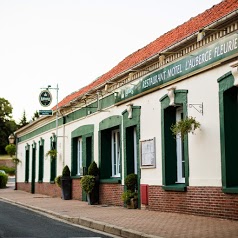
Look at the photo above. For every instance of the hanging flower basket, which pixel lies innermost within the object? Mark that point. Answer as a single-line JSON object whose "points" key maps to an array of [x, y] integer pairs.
{"points": [[185, 126], [52, 153]]}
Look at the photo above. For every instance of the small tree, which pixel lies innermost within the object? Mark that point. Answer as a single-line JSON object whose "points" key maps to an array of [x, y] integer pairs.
{"points": [[88, 183], [58, 181], [11, 149], [23, 121], [66, 171], [93, 169], [35, 116], [130, 195]]}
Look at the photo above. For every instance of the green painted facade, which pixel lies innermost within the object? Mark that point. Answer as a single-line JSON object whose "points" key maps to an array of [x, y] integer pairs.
{"points": [[195, 62]]}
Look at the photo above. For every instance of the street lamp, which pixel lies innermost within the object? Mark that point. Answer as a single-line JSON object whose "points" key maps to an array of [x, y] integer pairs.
{"points": [[11, 139]]}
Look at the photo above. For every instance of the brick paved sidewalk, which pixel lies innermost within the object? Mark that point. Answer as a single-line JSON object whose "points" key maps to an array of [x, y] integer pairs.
{"points": [[125, 222]]}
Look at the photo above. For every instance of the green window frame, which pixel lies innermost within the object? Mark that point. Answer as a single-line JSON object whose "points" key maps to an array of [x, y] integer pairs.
{"points": [[169, 154], [33, 168], [106, 127], [228, 109], [41, 161], [27, 162], [86, 135], [53, 161]]}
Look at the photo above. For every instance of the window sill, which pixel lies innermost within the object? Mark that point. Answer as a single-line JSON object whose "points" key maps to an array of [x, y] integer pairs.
{"points": [[230, 189], [111, 180], [175, 187]]}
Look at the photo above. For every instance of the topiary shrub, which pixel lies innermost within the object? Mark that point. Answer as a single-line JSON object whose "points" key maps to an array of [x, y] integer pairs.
{"points": [[88, 183], [58, 180], [66, 183], [3, 180], [93, 169], [66, 171], [131, 182], [11, 149], [130, 195]]}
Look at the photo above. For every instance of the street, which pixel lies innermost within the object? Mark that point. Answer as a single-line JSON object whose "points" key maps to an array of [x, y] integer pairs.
{"points": [[19, 222]]}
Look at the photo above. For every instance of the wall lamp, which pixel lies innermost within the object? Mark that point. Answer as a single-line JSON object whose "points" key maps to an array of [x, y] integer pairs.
{"points": [[202, 33]]}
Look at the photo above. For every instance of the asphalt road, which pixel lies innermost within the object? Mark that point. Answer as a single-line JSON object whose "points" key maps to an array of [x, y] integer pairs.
{"points": [[17, 222]]}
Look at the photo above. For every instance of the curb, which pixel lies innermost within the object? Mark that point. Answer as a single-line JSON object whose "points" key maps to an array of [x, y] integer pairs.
{"points": [[89, 223]]}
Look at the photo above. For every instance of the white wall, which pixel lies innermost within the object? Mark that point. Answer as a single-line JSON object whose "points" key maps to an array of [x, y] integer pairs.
{"points": [[204, 146]]}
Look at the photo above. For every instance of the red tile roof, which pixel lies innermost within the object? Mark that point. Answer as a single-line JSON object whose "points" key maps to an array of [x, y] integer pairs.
{"points": [[168, 39]]}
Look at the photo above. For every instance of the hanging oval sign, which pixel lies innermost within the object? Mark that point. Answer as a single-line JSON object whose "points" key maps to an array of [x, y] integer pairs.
{"points": [[45, 98]]}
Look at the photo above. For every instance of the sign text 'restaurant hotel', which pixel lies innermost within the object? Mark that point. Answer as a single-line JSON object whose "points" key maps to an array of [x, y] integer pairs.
{"points": [[191, 63]]}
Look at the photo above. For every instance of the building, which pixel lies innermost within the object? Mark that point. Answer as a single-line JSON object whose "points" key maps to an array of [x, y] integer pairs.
{"points": [[123, 121]]}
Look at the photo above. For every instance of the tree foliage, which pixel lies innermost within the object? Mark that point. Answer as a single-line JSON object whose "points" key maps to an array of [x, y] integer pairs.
{"points": [[11, 149], [35, 116], [7, 124], [23, 121], [5, 110]]}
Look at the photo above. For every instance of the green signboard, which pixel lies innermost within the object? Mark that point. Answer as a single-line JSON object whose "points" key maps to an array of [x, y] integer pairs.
{"points": [[45, 112], [190, 64], [45, 98]]}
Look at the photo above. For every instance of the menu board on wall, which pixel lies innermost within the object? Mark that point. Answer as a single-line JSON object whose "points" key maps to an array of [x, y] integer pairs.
{"points": [[147, 153]]}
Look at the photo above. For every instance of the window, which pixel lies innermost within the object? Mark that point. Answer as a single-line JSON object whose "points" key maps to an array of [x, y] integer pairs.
{"points": [[228, 107], [115, 153], [41, 161], [174, 150], [110, 149], [179, 150], [135, 149], [79, 156], [82, 149], [53, 162], [27, 161]]}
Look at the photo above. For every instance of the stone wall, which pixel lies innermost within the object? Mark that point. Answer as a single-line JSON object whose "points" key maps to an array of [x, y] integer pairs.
{"points": [[7, 162]]}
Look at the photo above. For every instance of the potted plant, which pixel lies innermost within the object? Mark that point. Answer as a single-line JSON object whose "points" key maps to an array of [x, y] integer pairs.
{"points": [[58, 181], [90, 183], [66, 183], [130, 195], [52, 153], [87, 183], [185, 126]]}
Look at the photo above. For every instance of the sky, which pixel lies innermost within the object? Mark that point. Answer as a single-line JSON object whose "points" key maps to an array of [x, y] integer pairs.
{"points": [[69, 43]]}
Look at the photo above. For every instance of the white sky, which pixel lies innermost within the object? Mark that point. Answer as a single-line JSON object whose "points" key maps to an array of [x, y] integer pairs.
{"points": [[72, 42]]}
